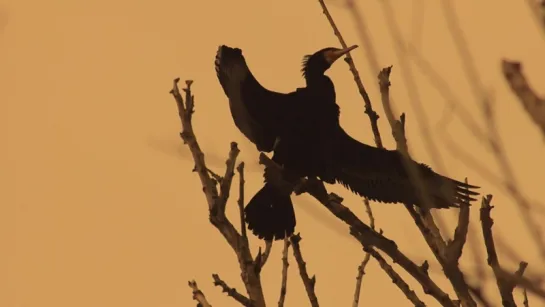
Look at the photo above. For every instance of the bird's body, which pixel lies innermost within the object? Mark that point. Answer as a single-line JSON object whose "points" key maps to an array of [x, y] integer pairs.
{"points": [[303, 130]]}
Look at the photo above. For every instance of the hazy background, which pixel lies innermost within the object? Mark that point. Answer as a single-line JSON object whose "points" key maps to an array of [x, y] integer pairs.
{"points": [[99, 206]]}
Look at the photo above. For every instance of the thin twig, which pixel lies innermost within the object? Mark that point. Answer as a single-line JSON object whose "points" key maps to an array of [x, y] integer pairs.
{"points": [[198, 295], [363, 265], [240, 169], [285, 265], [225, 184], [363, 34], [369, 213], [309, 282], [359, 279], [373, 116], [232, 292], [397, 279], [420, 273]]}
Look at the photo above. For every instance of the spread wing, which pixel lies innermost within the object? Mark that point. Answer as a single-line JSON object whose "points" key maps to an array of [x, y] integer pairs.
{"points": [[260, 114], [380, 175]]}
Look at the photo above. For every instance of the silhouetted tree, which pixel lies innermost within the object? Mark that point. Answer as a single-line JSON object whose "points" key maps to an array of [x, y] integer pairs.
{"points": [[447, 252]]}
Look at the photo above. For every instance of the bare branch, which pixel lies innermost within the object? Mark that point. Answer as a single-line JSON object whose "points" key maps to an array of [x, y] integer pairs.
{"points": [[285, 264], [373, 116], [532, 103], [232, 292], [364, 234], [419, 273], [240, 169], [198, 295], [369, 213], [422, 217], [505, 287], [398, 126], [309, 282], [397, 280], [216, 200], [185, 111], [363, 34], [518, 274], [359, 279], [225, 184], [363, 265]]}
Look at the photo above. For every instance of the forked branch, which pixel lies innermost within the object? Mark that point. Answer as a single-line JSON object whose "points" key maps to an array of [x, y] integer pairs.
{"points": [[217, 200], [505, 285]]}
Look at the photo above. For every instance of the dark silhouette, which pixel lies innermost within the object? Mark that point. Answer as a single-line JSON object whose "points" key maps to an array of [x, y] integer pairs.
{"points": [[303, 130]]}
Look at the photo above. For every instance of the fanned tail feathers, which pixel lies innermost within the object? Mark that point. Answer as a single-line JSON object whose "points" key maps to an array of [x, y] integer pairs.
{"points": [[270, 215]]}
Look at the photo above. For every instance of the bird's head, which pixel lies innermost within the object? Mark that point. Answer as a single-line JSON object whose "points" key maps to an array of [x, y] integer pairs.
{"points": [[320, 61]]}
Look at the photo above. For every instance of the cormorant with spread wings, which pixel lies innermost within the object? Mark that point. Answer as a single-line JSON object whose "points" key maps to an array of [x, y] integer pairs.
{"points": [[303, 130]]}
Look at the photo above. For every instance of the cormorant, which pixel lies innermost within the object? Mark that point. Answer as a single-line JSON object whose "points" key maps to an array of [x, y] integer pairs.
{"points": [[283, 123], [303, 130]]}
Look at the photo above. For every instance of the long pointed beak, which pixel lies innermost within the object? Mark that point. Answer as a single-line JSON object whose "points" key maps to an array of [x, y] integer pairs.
{"points": [[334, 55]]}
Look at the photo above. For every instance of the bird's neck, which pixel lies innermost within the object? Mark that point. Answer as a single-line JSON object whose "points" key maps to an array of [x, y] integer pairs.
{"points": [[318, 80], [324, 90]]}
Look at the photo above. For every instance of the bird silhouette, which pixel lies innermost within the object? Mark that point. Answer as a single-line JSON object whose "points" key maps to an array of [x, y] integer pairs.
{"points": [[303, 130]]}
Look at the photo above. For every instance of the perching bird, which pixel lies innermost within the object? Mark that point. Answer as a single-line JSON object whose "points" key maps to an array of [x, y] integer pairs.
{"points": [[304, 131]]}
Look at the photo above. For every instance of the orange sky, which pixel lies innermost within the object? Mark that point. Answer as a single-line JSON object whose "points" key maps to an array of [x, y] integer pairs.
{"points": [[98, 205]]}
